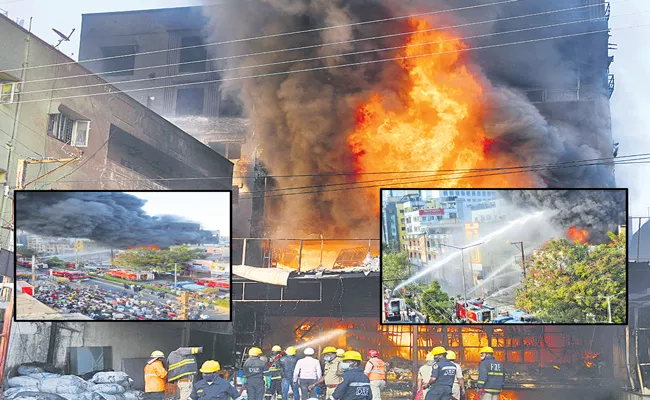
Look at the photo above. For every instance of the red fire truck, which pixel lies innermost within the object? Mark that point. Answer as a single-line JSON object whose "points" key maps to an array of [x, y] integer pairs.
{"points": [[219, 283], [475, 311], [72, 275], [130, 275]]}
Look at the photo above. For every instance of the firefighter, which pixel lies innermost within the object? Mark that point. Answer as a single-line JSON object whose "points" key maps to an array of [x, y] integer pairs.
{"points": [[287, 366], [491, 375], [443, 374], [424, 374], [340, 353], [376, 372], [155, 376], [212, 386], [254, 369], [355, 384], [332, 374], [274, 375], [458, 390], [183, 368]]}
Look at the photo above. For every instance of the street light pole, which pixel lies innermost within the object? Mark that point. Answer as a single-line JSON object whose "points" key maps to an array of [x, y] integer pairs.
{"points": [[462, 264], [523, 260]]}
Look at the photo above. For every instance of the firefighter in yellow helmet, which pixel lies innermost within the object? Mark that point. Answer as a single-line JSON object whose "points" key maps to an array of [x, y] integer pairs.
{"points": [[287, 367], [212, 386], [458, 390], [332, 372], [340, 353], [273, 374], [443, 374], [491, 375], [254, 369], [155, 376], [355, 384], [424, 374]]}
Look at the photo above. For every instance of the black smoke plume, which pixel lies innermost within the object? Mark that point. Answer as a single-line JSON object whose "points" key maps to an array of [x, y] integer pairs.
{"points": [[301, 121], [598, 211], [113, 219]]}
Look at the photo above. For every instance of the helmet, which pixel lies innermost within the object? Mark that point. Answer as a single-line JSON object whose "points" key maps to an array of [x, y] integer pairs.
{"points": [[309, 351], [254, 351], [157, 354], [486, 349], [291, 351], [329, 349], [352, 356], [451, 355], [276, 349], [340, 352], [436, 351], [373, 353], [429, 357], [210, 366]]}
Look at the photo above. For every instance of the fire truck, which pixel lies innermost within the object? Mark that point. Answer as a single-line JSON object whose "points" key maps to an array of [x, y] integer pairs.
{"points": [[219, 283], [475, 311], [72, 265], [72, 275], [130, 275]]}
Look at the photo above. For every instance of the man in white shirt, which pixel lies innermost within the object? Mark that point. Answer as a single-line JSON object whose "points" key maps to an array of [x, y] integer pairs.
{"points": [[307, 373], [424, 375]]}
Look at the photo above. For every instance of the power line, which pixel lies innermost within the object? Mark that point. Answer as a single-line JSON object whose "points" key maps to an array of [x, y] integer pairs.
{"points": [[604, 161], [277, 34], [315, 46], [332, 67], [319, 57]]}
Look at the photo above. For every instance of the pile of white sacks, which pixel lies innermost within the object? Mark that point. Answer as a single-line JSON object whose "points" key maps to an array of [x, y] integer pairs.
{"points": [[32, 383]]}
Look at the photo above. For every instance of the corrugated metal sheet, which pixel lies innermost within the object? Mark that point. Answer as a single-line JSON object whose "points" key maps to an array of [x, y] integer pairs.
{"points": [[273, 276]]}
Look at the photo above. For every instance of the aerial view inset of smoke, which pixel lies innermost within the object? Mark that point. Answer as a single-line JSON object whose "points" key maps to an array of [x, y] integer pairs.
{"points": [[598, 211], [111, 218], [304, 122]]}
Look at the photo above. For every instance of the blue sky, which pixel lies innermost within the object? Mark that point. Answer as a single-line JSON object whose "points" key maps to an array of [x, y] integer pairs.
{"points": [[212, 210], [629, 103]]}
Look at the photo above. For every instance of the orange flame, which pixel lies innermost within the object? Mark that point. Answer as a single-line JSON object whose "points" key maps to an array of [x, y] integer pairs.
{"points": [[577, 235], [438, 125]]}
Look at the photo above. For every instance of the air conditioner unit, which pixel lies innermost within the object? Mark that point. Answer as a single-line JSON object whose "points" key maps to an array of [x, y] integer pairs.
{"points": [[8, 91]]}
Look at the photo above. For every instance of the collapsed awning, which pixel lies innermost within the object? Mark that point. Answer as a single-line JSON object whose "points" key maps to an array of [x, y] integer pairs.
{"points": [[272, 276]]}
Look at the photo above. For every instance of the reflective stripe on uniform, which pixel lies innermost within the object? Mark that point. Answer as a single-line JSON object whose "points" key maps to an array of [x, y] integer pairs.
{"points": [[493, 390], [481, 382], [359, 384], [180, 364], [496, 373], [181, 375]]}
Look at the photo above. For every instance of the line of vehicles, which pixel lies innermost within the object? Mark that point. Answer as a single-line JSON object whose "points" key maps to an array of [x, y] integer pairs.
{"points": [[475, 311]]}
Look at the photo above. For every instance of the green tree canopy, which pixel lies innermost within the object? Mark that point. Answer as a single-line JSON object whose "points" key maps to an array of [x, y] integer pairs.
{"points": [[566, 282], [55, 262], [157, 260], [436, 303], [27, 253], [394, 268]]}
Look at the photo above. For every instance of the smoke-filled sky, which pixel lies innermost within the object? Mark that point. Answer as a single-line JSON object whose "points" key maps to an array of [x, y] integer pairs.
{"points": [[118, 219]]}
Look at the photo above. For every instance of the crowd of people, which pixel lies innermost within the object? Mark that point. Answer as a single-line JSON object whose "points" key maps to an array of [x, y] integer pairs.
{"points": [[341, 375], [102, 304]]}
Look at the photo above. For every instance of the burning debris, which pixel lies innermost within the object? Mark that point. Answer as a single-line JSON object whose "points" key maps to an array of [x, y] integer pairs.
{"points": [[114, 219]]}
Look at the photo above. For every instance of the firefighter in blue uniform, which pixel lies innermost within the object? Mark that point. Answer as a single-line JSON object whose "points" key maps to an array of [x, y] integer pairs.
{"points": [[355, 385], [254, 369], [212, 386], [443, 376], [491, 375]]}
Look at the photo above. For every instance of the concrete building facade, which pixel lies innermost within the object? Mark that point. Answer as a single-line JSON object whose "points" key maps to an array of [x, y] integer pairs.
{"points": [[118, 143]]}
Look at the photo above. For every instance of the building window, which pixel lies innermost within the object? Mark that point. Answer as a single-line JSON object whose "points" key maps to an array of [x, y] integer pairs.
{"points": [[192, 58], [189, 101], [401, 211], [8, 92], [120, 60], [87, 359], [68, 130]]}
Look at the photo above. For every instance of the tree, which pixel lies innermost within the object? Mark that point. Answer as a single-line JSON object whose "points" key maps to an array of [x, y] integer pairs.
{"points": [[394, 268], [565, 282], [27, 253], [157, 260], [55, 262], [436, 303]]}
